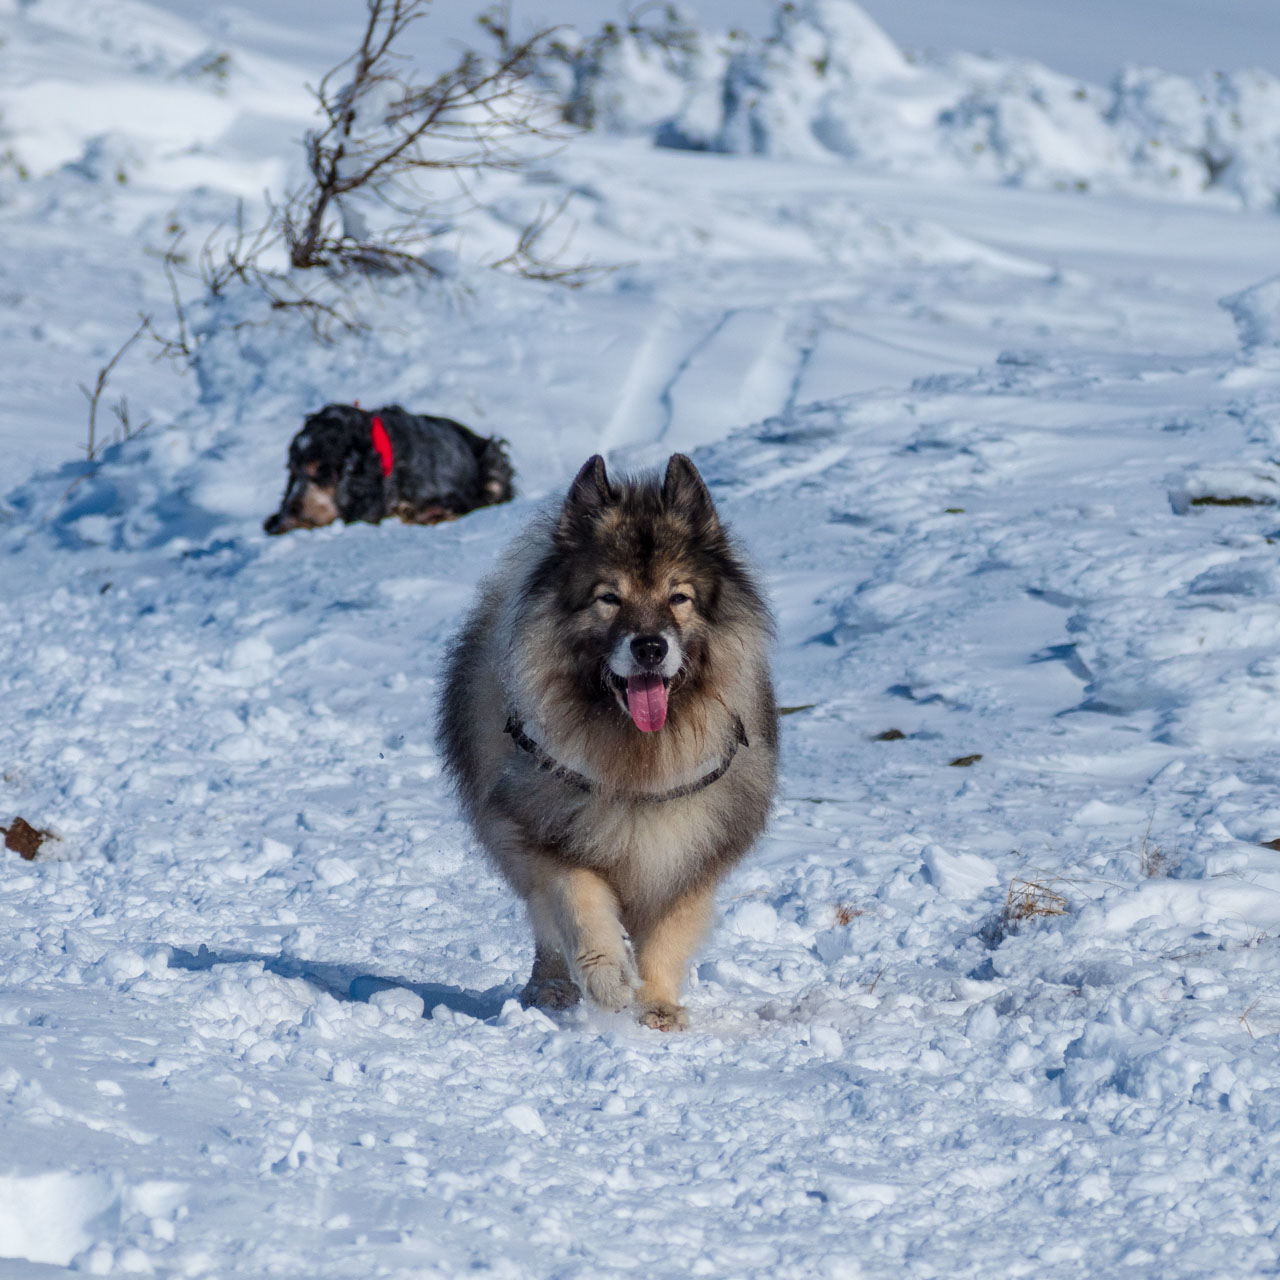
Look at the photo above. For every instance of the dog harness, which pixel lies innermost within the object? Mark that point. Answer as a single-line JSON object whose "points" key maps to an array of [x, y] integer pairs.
{"points": [[382, 443], [581, 782]]}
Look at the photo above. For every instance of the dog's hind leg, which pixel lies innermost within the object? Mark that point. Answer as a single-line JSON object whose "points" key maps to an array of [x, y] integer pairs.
{"points": [[549, 985], [575, 911], [663, 953]]}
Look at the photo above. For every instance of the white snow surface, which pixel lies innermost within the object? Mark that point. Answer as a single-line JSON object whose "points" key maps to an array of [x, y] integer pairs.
{"points": [[1011, 475]]}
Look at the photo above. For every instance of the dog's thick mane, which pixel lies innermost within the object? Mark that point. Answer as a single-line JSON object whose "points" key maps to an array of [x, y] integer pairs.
{"points": [[647, 528]]}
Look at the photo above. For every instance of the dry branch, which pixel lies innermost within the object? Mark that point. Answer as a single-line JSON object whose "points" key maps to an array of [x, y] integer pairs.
{"points": [[94, 395], [529, 261], [383, 131]]}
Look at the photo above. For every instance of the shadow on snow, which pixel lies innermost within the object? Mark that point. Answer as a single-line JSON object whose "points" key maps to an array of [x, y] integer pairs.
{"points": [[345, 982]]}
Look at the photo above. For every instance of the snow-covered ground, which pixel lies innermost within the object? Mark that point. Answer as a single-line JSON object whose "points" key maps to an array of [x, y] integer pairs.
{"points": [[1011, 472]]}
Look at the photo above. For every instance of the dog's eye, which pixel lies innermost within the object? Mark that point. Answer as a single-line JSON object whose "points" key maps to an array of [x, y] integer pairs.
{"points": [[608, 597], [678, 597]]}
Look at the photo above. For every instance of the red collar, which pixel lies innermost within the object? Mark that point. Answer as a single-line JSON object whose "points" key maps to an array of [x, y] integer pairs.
{"points": [[382, 443]]}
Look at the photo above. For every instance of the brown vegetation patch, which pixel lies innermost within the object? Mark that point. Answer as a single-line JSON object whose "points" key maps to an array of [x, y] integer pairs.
{"points": [[963, 762], [1028, 899], [1152, 859], [1236, 500], [24, 839]]}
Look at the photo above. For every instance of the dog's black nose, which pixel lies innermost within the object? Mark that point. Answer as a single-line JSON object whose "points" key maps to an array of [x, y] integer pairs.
{"points": [[272, 523], [649, 651]]}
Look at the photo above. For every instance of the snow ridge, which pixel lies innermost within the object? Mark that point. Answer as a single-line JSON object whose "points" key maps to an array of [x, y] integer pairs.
{"points": [[830, 84]]}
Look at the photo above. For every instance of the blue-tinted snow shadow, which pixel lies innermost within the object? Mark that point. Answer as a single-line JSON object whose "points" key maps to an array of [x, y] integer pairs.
{"points": [[123, 500], [346, 982]]}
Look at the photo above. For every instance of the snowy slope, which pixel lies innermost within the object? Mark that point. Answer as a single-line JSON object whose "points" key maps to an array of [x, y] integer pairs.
{"points": [[256, 1012]]}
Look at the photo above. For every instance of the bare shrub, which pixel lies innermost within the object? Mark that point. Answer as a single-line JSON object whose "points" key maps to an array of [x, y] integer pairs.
{"points": [[384, 131], [372, 204], [238, 258]]}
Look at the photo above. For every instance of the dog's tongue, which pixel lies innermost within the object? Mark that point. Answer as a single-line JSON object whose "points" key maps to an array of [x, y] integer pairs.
{"points": [[647, 702]]}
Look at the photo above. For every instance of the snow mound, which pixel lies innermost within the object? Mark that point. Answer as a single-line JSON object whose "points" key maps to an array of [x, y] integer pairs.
{"points": [[1256, 312], [51, 1217], [1233, 484], [112, 91], [829, 83]]}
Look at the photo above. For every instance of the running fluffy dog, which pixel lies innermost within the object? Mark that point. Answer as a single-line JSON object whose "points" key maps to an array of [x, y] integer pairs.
{"points": [[349, 464], [609, 721]]}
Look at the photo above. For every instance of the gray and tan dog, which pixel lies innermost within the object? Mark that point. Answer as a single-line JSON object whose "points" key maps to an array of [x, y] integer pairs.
{"points": [[609, 721]]}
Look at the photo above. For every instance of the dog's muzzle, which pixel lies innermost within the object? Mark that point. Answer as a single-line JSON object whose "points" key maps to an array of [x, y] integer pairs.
{"points": [[649, 651]]}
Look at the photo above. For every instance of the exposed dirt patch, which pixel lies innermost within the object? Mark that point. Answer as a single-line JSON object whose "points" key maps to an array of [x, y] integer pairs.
{"points": [[24, 839], [1238, 500]]}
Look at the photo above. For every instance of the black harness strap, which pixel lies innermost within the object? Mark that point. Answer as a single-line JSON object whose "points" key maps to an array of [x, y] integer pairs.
{"points": [[581, 782]]}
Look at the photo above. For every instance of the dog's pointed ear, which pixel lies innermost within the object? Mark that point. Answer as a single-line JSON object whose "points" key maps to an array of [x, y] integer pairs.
{"points": [[589, 492], [684, 490]]}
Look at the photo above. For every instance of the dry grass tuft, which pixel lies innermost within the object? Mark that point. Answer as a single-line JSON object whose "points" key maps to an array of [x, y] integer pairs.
{"points": [[1152, 860], [846, 913], [1028, 899]]}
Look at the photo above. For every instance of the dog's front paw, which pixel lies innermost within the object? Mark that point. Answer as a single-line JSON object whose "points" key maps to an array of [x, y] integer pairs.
{"points": [[550, 993], [610, 982], [662, 1015]]}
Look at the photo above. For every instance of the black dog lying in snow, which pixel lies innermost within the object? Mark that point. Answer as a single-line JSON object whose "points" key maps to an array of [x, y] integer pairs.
{"points": [[350, 464]]}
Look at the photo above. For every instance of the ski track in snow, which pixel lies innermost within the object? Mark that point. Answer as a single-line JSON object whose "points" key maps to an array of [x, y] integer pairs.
{"points": [[257, 1012]]}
